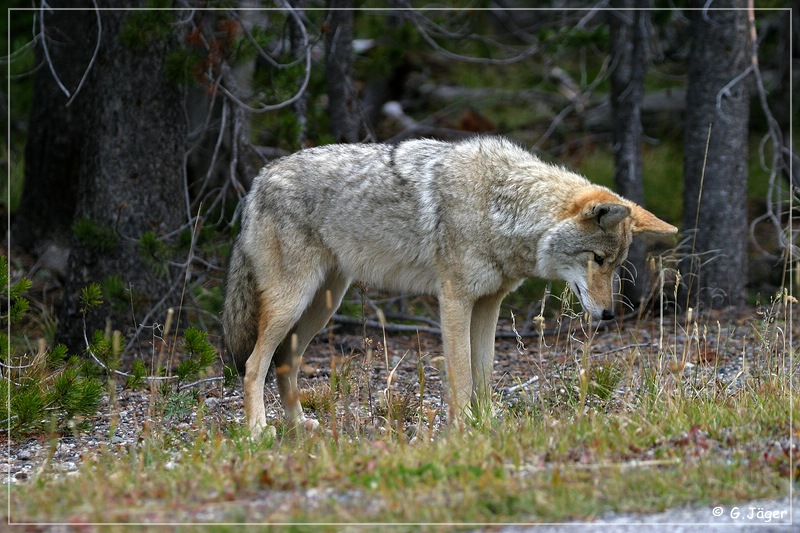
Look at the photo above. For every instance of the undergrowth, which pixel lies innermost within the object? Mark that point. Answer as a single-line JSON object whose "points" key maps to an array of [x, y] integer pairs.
{"points": [[51, 391], [43, 390]]}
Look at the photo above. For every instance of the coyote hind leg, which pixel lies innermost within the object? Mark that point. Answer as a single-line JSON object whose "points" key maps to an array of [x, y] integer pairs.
{"points": [[290, 353], [270, 333], [279, 310]]}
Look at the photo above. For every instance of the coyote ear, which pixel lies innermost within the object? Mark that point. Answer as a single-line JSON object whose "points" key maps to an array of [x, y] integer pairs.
{"points": [[607, 216], [646, 222]]}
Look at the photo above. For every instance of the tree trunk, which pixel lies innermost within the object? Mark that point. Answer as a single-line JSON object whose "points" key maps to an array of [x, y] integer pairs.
{"points": [[715, 197], [52, 153], [628, 41], [342, 103], [782, 108], [132, 151]]}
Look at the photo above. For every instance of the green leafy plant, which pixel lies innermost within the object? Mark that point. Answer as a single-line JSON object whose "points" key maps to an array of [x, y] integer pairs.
{"points": [[147, 26], [605, 380], [179, 405], [200, 355], [91, 296], [137, 376], [47, 389], [153, 250], [100, 239], [107, 349], [116, 293]]}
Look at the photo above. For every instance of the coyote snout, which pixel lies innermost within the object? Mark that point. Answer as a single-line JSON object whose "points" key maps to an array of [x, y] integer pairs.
{"points": [[599, 305], [590, 242], [467, 222]]}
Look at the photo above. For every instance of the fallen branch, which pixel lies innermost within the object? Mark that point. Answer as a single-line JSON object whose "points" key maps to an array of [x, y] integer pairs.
{"points": [[344, 319], [526, 385], [377, 324]]}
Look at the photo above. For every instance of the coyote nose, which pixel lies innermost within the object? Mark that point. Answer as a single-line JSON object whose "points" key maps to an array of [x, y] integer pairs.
{"points": [[608, 314]]}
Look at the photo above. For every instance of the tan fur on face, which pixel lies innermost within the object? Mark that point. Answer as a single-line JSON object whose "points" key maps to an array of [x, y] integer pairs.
{"points": [[642, 220], [585, 200], [646, 222]]}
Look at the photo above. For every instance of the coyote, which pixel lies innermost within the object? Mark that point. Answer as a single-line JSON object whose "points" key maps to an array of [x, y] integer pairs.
{"points": [[465, 221]]}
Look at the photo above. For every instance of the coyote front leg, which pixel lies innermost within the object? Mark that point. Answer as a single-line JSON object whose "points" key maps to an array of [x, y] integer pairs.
{"points": [[456, 313], [482, 334]]}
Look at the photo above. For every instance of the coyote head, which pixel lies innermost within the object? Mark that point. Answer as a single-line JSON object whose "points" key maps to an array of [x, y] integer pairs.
{"points": [[590, 241]]}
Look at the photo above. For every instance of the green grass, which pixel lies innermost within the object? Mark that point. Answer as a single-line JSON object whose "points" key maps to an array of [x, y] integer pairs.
{"points": [[13, 180], [554, 468]]}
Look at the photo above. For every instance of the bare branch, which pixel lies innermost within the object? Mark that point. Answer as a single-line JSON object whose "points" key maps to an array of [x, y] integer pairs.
{"points": [[601, 6], [263, 108], [420, 22], [94, 54], [200, 382], [583, 97], [266, 56], [43, 37], [117, 372], [46, 49], [377, 324], [779, 148]]}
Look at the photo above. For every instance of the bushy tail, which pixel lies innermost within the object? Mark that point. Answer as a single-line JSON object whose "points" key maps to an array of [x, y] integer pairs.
{"points": [[240, 314]]}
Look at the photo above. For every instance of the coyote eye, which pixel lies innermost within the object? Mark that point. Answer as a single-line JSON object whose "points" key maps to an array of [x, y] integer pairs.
{"points": [[597, 259]]}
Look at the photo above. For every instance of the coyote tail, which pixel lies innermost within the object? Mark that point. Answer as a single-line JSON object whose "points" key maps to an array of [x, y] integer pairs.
{"points": [[240, 313]]}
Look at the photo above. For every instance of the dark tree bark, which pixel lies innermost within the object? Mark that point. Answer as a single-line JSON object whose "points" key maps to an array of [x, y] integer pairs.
{"points": [[52, 153], [782, 108], [342, 102], [132, 149], [628, 41], [715, 208]]}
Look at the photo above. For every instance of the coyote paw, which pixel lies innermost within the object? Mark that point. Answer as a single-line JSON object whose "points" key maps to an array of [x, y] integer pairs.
{"points": [[308, 424], [260, 432]]}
